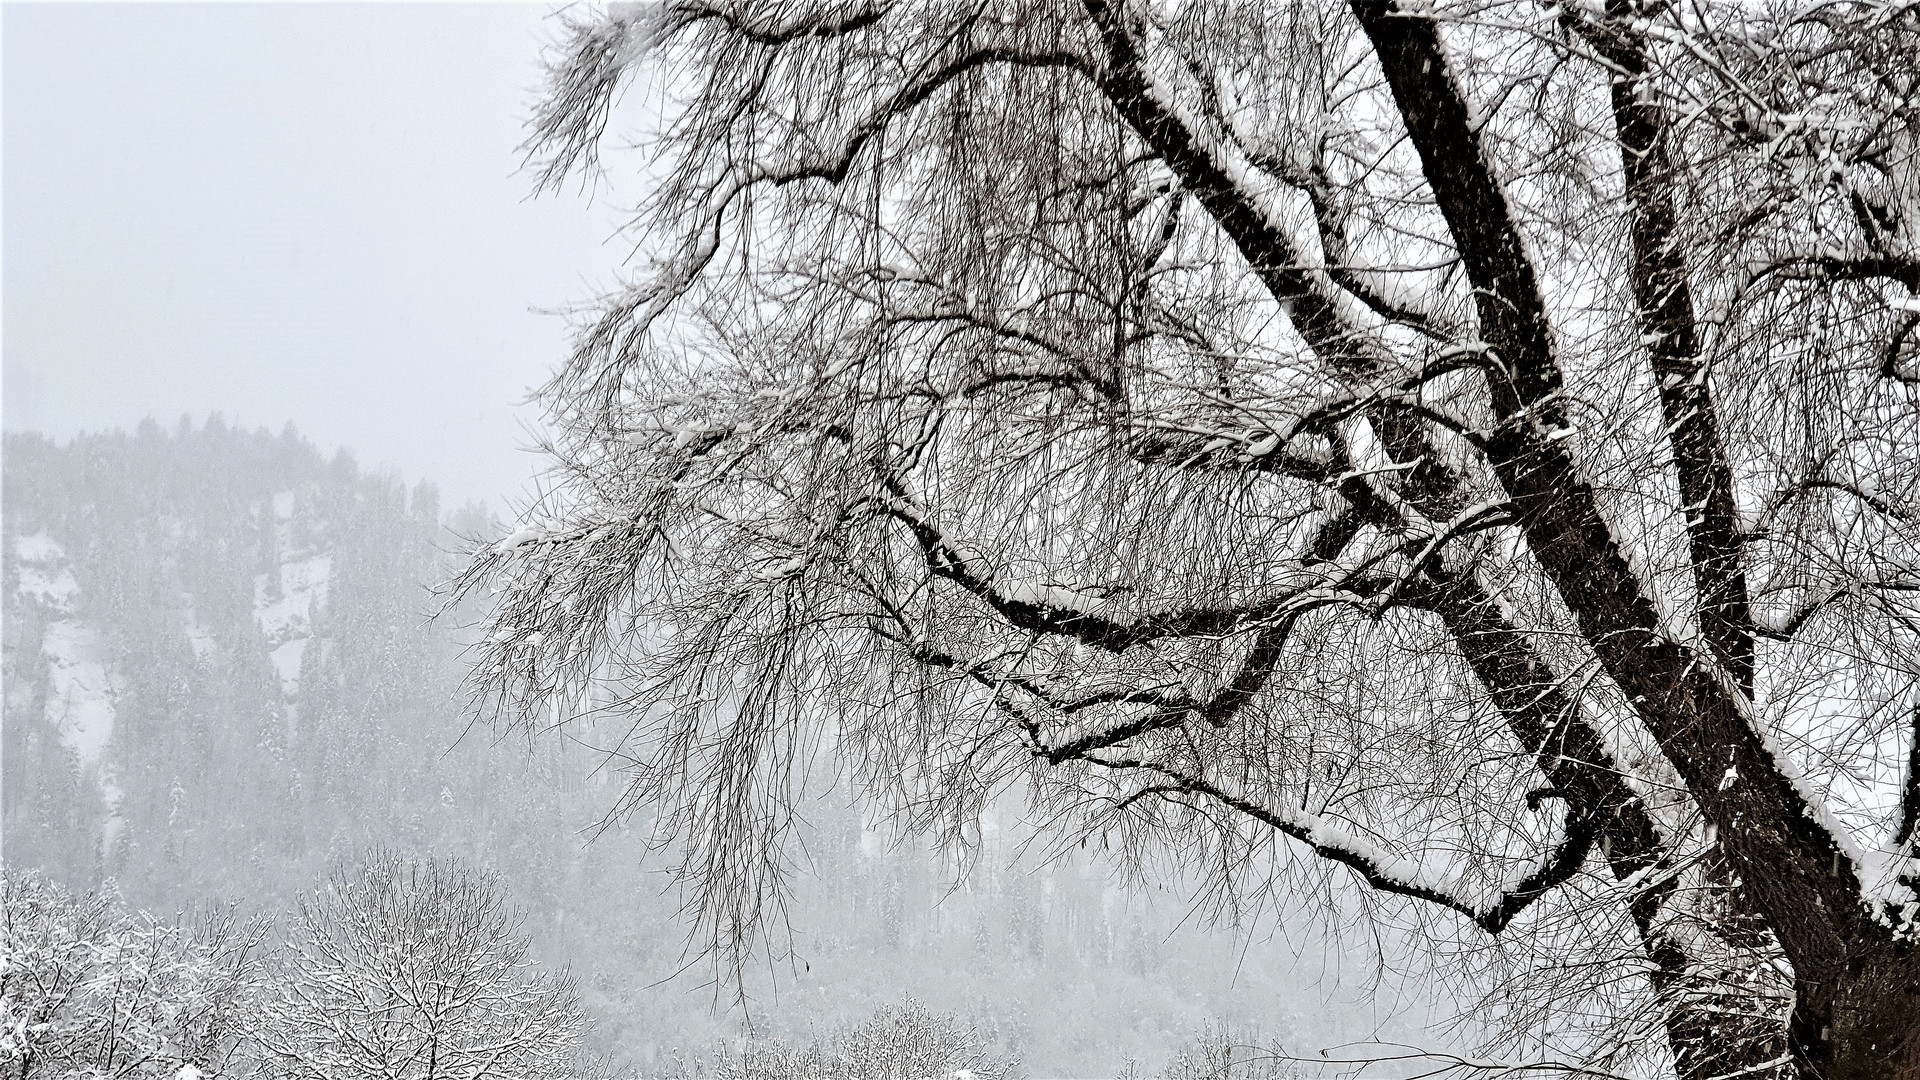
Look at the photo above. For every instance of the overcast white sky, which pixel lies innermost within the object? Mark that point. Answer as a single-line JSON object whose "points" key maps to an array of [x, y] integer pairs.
{"points": [[289, 212]]}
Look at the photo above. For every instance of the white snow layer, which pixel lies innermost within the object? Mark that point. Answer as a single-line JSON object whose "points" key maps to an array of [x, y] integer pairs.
{"points": [[199, 638], [287, 620], [80, 684], [44, 575], [80, 689]]}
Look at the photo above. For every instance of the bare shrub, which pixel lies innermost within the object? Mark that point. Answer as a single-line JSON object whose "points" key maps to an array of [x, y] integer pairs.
{"points": [[1217, 1052]]}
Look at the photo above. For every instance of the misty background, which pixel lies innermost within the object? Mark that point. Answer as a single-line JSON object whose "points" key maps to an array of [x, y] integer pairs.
{"points": [[275, 292]]}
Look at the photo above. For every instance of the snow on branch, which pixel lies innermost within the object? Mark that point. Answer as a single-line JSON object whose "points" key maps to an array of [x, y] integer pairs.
{"points": [[1492, 910], [1091, 618], [1223, 183], [1836, 265], [834, 168], [585, 76], [819, 25], [1267, 443]]}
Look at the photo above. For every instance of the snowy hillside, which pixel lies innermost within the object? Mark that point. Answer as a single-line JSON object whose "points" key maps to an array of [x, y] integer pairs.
{"points": [[173, 610], [79, 684]]}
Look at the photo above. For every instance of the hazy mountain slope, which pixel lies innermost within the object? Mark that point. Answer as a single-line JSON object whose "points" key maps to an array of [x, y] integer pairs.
{"points": [[220, 675], [206, 638]]}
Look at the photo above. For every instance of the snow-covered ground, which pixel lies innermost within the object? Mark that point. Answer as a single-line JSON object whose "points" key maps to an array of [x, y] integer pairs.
{"points": [[44, 576], [285, 613], [81, 685], [81, 690], [287, 620]]}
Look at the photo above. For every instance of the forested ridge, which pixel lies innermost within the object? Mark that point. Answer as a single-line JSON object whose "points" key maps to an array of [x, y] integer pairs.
{"points": [[223, 677]]}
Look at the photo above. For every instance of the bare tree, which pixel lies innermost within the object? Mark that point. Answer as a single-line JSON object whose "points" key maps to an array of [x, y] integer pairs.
{"points": [[899, 1042], [1466, 446], [1220, 1053], [414, 971], [87, 990]]}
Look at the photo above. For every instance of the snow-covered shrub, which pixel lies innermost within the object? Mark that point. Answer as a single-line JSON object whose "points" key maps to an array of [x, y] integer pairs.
{"points": [[405, 970], [900, 1042], [906, 1041], [88, 990], [1217, 1052]]}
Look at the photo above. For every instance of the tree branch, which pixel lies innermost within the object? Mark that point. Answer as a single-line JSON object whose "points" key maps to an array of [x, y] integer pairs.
{"points": [[1380, 868], [1091, 620], [1513, 318], [1211, 180], [1663, 300], [1905, 831], [834, 169]]}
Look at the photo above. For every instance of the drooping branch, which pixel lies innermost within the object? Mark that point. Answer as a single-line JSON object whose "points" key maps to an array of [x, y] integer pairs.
{"points": [[1091, 620], [1382, 870], [581, 88], [1513, 318], [1127, 82], [1549, 724], [990, 675], [1834, 266], [833, 167], [1331, 221], [819, 25]]}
